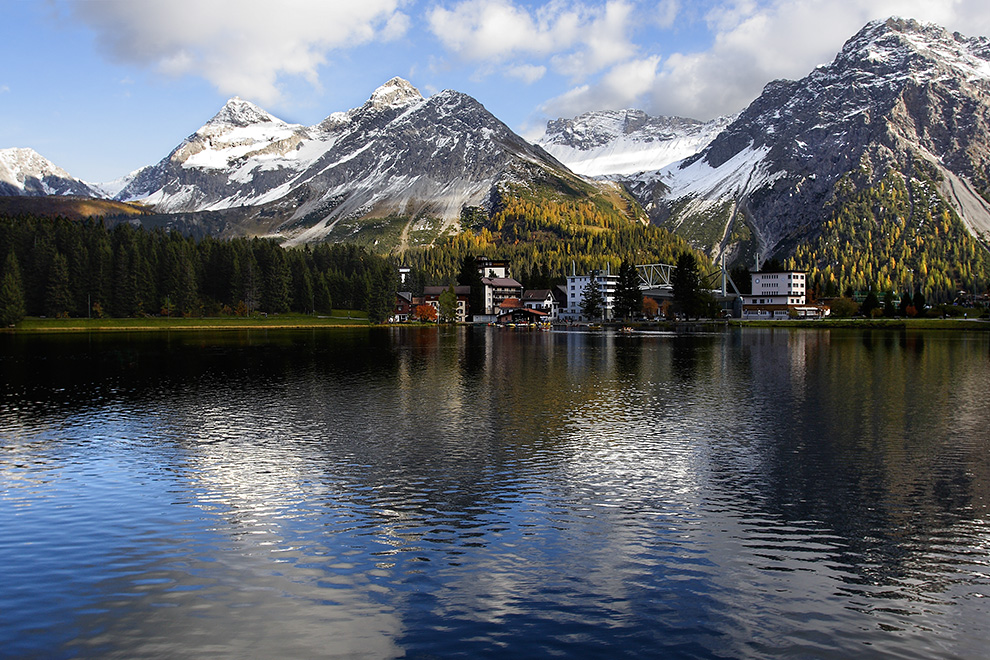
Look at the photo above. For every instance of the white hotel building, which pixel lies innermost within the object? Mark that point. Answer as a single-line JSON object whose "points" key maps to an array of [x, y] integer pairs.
{"points": [[778, 295], [576, 284]]}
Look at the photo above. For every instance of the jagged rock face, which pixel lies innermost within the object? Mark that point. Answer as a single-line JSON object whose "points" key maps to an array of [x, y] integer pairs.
{"points": [[896, 91], [399, 153], [26, 172], [622, 142]]}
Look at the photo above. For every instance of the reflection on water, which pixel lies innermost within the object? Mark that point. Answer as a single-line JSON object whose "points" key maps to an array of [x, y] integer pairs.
{"points": [[473, 492]]}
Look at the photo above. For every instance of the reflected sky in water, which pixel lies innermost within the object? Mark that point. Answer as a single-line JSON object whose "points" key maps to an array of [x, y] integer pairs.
{"points": [[477, 492]]}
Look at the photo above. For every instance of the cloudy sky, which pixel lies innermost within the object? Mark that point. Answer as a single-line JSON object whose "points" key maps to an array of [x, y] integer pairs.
{"points": [[102, 87]]}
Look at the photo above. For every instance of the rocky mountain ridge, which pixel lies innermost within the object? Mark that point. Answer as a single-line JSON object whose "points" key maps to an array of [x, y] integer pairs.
{"points": [[896, 92], [26, 172], [623, 142], [399, 154]]}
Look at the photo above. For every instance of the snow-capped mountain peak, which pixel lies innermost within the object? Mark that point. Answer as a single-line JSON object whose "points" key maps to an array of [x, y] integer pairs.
{"points": [[899, 92], [396, 93], [907, 47], [622, 142], [240, 113], [26, 172]]}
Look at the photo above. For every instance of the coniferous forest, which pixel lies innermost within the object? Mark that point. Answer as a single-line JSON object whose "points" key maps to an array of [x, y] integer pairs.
{"points": [[898, 235], [59, 267]]}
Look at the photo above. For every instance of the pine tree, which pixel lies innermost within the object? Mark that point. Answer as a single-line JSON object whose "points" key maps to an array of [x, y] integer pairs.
{"points": [[58, 297], [470, 276], [686, 284], [381, 292], [628, 299], [592, 299], [11, 292]]}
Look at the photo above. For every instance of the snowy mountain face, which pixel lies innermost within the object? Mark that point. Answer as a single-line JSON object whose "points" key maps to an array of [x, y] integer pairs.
{"points": [[26, 172], [399, 154], [624, 142], [897, 91]]}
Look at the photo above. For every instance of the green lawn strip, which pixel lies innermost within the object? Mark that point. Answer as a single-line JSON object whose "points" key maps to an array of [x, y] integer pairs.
{"points": [[339, 318], [865, 324]]}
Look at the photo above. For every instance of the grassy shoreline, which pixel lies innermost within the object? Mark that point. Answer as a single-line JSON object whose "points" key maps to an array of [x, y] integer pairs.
{"points": [[868, 324], [339, 319]]}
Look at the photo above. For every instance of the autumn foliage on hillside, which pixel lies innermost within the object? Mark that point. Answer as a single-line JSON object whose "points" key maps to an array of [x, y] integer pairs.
{"points": [[897, 235], [544, 235]]}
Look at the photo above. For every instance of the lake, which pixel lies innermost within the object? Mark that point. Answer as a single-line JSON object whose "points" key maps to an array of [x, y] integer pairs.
{"points": [[475, 492]]}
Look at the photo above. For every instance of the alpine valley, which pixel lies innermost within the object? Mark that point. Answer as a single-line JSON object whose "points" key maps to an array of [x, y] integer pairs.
{"points": [[872, 171]]}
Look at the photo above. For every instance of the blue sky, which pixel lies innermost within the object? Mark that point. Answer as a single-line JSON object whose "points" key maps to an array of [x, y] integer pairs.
{"points": [[102, 87]]}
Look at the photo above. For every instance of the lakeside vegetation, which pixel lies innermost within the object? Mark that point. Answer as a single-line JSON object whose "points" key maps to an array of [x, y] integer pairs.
{"points": [[868, 324], [339, 318], [61, 268]]}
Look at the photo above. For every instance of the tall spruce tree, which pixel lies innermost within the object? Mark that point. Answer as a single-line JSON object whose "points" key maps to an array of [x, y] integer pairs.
{"points": [[592, 299], [11, 292], [470, 276], [628, 298], [686, 284], [58, 296]]}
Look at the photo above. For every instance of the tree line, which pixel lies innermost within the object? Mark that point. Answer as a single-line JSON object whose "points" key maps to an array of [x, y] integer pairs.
{"points": [[59, 267]]}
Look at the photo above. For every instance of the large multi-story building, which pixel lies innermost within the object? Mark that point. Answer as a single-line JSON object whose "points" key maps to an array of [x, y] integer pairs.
{"points": [[576, 284], [779, 295]]}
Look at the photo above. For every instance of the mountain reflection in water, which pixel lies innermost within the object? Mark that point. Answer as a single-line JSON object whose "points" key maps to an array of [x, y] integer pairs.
{"points": [[476, 492]]}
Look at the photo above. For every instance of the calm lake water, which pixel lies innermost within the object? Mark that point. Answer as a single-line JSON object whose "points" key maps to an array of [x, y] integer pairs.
{"points": [[482, 493]]}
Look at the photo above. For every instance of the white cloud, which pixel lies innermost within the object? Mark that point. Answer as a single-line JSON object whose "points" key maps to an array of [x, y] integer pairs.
{"points": [[528, 73], [580, 39], [667, 12], [754, 43], [243, 47], [4, 89], [624, 86]]}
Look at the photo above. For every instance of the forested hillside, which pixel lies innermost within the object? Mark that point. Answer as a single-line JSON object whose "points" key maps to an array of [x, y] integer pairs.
{"points": [[544, 232], [60, 267], [898, 235]]}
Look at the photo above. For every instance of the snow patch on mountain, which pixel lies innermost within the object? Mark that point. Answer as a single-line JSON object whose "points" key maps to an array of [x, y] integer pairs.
{"points": [[624, 142], [26, 172]]}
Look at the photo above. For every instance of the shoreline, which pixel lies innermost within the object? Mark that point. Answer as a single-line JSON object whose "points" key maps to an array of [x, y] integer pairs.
{"points": [[35, 325], [155, 324]]}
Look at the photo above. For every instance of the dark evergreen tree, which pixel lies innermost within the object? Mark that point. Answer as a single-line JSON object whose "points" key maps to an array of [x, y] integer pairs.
{"points": [[902, 309], [628, 297], [686, 284], [592, 299], [741, 278], [275, 277], [11, 292], [888, 304], [871, 303], [381, 292], [470, 276], [919, 302], [323, 302], [58, 296]]}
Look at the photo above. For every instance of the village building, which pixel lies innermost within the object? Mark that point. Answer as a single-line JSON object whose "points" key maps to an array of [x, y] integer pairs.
{"points": [[779, 295], [548, 301], [576, 284], [493, 268], [405, 307], [512, 311], [498, 289], [431, 296]]}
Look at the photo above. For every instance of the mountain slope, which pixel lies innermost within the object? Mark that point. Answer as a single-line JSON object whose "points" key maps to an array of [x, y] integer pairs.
{"points": [[398, 156], [26, 172], [624, 142], [897, 92]]}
